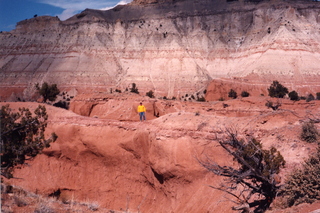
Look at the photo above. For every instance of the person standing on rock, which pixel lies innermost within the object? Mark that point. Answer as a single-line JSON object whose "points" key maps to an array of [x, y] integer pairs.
{"points": [[142, 112]]}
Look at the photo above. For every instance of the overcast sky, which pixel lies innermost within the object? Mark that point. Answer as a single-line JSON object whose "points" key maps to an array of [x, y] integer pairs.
{"points": [[13, 11]]}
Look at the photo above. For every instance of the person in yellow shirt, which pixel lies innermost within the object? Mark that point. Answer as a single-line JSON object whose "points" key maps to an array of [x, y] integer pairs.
{"points": [[142, 112]]}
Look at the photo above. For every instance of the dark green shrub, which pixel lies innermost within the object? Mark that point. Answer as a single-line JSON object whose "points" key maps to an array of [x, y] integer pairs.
{"points": [[303, 98], [309, 132], [293, 95], [134, 88], [276, 90], [150, 94], [245, 94], [48, 92], [310, 97], [318, 95], [232, 94]]}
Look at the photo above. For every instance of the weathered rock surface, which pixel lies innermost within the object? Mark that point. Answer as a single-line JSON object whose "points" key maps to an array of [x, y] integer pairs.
{"points": [[152, 166], [171, 47]]}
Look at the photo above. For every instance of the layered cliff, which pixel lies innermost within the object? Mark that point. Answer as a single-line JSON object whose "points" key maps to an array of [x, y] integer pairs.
{"points": [[170, 47]]}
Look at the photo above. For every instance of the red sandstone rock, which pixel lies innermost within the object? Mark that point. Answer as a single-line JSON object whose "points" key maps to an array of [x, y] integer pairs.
{"points": [[152, 166]]}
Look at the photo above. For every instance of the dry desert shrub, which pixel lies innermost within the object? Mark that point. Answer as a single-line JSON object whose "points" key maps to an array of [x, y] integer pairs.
{"points": [[43, 208], [303, 185], [91, 205], [309, 132], [20, 201]]}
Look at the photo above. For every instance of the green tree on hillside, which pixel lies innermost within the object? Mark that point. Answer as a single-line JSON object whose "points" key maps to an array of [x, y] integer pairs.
{"points": [[48, 92], [134, 88], [277, 90], [22, 136]]}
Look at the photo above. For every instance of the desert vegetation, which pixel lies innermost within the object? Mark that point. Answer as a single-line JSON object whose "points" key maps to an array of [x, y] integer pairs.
{"points": [[134, 88], [47, 91], [277, 90], [310, 97], [256, 175], [232, 94], [245, 94], [273, 105], [293, 95], [22, 136], [150, 94], [17, 198], [309, 132], [302, 185]]}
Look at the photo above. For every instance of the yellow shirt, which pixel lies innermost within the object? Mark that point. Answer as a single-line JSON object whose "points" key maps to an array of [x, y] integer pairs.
{"points": [[141, 108]]}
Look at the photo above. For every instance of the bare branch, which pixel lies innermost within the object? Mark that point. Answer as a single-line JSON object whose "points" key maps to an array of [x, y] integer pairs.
{"points": [[253, 176]]}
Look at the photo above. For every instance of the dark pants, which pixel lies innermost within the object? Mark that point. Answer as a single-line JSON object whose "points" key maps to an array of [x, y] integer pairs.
{"points": [[142, 116]]}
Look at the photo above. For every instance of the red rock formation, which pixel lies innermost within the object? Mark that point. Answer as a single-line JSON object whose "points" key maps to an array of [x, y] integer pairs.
{"points": [[152, 166]]}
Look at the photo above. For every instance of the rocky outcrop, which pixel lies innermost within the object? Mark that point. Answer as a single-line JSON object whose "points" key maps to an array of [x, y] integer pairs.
{"points": [[153, 166], [171, 47]]}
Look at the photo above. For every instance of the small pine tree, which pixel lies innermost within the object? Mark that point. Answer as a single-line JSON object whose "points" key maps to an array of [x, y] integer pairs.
{"points": [[232, 94], [277, 90], [293, 95], [48, 92], [22, 136], [134, 88]]}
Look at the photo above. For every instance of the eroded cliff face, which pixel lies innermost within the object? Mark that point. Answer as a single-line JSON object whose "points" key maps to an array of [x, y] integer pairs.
{"points": [[170, 47]]}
